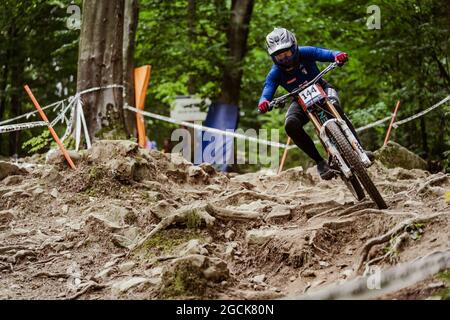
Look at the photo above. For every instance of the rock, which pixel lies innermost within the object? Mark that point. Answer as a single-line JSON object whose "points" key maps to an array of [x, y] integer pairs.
{"points": [[65, 209], [259, 236], [153, 185], [125, 285], [196, 172], [196, 260], [308, 273], [154, 196], [125, 238], [229, 235], [38, 191], [154, 272], [292, 279], [192, 247], [299, 174], [6, 216], [12, 180], [230, 249], [51, 176], [104, 274], [111, 216], [394, 155], [217, 270], [279, 213], [9, 169], [126, 266], [54, 193], [259, 279], [122, 169], [104, 150], [208, 168], [55, 157], [163, 209], [324, 264], [177, 160], [189, 275]]}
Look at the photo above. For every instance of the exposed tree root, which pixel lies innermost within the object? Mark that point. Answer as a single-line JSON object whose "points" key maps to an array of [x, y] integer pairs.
{"points": [[388, 235], [91, 285], [375, 211], [393, 251], [15, 248], [229, 214], [250, 194], [51, 275], [431, 183], [356, 207], [325, 213]]}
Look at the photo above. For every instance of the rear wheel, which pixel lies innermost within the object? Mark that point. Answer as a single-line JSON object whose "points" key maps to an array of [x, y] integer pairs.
{"points": [[356, 165]]}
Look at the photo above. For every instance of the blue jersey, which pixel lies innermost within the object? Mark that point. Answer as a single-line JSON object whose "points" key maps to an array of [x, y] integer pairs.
{"points": [[306, 71]]}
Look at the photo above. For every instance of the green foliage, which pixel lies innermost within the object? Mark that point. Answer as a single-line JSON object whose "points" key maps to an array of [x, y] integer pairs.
{"points": [[39, 143], [407, 59]]}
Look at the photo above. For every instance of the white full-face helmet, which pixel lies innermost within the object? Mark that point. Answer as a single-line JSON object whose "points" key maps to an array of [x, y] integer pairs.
{"points": [[280, 40]]}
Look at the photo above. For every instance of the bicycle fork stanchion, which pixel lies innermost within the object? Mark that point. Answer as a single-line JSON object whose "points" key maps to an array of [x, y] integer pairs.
{"points": [[388, 133], [50, 128], [283, 159]]}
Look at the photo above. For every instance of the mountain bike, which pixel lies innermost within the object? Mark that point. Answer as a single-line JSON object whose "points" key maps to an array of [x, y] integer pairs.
{"points": [[347, 158]]}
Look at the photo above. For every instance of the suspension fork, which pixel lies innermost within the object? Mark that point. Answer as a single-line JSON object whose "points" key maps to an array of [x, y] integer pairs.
{"points": [[350, 136], [330, 147]]}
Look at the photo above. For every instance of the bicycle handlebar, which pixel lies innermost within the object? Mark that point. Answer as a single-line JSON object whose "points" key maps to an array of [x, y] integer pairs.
{"points": [[277, 101]]}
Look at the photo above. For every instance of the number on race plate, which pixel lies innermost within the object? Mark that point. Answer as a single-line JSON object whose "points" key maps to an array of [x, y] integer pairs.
{"points": [[311, 95]]}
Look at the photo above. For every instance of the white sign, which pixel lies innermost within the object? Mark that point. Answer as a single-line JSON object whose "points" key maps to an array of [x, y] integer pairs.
{"points": [[187, 108]]}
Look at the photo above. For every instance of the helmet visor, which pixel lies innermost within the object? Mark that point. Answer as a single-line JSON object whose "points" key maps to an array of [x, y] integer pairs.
{"points": [[284, 56]]}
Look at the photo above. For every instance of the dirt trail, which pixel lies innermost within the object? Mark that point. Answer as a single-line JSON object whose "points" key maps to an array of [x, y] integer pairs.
{"points": [[137, 224]]}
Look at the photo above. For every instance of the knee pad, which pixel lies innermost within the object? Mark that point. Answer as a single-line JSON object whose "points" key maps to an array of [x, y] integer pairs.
{"points": [[292, 125]]}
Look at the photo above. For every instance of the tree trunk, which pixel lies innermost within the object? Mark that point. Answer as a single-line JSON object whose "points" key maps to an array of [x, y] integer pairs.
{"points": [[17, 69], [102, 62], [130, 26], [237, 33], [192, 19]]}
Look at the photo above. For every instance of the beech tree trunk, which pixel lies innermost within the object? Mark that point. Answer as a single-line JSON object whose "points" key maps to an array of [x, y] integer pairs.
{"points": [[106, 58], [237, 34]]}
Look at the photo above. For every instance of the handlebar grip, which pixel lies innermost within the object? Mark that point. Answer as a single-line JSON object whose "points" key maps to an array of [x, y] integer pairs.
{"points": [[272, 105]]}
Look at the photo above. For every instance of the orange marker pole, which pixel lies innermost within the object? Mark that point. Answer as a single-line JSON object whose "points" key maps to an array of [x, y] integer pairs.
{"points": [[283, 159], [388, 133], [52, 131], [141, 80]]}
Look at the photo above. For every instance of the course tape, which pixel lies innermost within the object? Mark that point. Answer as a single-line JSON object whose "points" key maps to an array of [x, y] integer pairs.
{"points": [[387, 281], [73, 104]]}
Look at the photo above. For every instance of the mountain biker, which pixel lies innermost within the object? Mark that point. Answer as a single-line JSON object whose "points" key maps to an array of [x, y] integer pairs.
{"points": [[294, 66]]}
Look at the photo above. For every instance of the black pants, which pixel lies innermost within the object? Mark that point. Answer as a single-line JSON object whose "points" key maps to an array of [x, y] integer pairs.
{"points": [[296, 118]]}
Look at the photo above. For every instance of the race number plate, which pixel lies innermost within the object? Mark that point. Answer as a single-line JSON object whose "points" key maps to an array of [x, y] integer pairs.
{"points": [[311, 95]]}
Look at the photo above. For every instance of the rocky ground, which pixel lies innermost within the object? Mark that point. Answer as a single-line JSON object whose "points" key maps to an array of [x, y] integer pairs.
{"points": [[137, 224]]}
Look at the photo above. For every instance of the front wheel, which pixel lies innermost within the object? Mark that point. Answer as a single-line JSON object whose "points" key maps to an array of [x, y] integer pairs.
{"points": [[355, 187], [355, 163]]}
